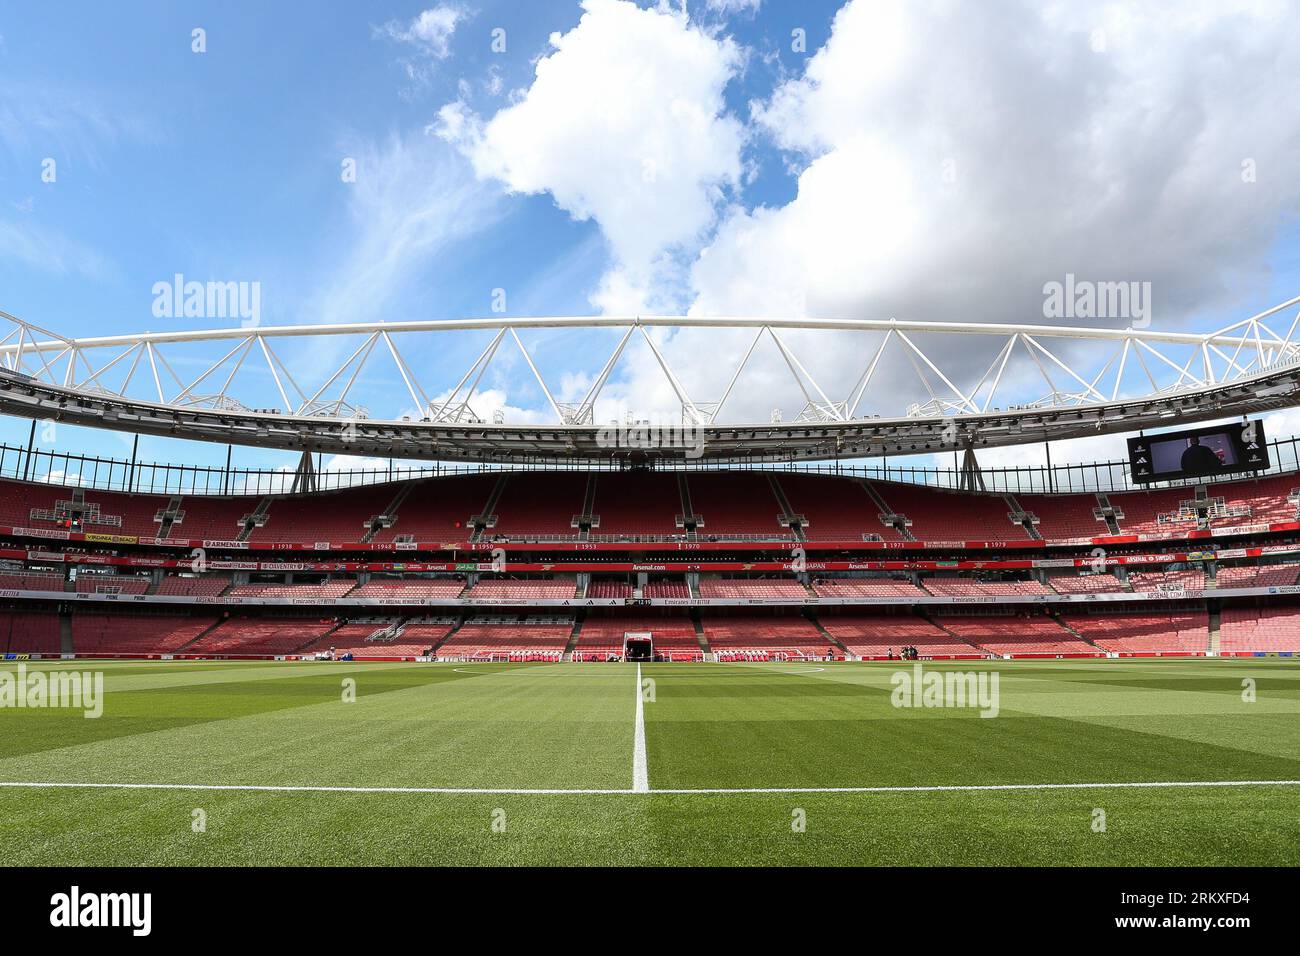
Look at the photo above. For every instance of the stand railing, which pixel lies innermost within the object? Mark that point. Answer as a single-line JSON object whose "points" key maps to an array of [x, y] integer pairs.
{"points": [[44, 466]]}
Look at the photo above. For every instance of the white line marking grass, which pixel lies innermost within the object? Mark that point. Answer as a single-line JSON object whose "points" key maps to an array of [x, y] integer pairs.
{"points": [[704, 791], [640, 769]]}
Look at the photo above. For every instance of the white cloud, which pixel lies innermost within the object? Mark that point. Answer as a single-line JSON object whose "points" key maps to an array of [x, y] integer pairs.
{"points": [[950, 160], [430, 31], [428, 35], [954, 158], [486, 402], [624, 124], [342, 463], [941, 180], [731, 7], [413, 198], [414, 203], [495, 82]]}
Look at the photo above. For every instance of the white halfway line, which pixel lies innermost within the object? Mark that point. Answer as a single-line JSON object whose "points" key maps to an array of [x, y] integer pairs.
{"points": [[705, 791], [640, 770]]}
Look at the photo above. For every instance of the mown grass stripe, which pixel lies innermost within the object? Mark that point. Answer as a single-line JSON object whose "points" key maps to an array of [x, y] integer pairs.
{"points": [[700, 791]]}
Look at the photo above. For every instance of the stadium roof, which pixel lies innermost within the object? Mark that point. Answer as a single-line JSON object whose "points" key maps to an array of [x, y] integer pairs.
{"points": [[1095, 380]]}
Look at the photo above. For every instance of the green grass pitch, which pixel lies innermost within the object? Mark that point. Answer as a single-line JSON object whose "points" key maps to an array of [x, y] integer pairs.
{"points": [[571, 727]]}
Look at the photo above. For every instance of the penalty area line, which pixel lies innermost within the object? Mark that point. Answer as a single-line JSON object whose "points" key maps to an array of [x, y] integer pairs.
{"points": [[702, 791]]}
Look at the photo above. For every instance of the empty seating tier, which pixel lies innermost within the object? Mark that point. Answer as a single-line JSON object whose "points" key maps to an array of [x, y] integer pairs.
{"points": [[30, 632], [377, 639], [1153, 632], [636, 506], [522, 590], [99, 512], [1085, 583], [542, 504], [1065, 517], [217, 519], [1259, 630], [609, 589], [937, 515], [633, 504], [185, 586], [751, 588], [31, 581], [964, 587], [886, 636], [334, 588], [736, 504], [433, 588], [134, 634], [1021, 634], [1270, 575], [789, 635], [1167, 580], [502, 640], [439, 509], [666, 589], [334, 516], [867, 588], [836, 509], [259, 636]]}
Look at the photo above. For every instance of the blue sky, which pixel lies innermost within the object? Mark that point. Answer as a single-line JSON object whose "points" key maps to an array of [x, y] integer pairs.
{"points": [[226, 165]]}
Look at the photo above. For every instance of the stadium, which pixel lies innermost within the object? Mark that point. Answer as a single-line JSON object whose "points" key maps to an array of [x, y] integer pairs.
{"points": [[627, 434], [650, 616]]}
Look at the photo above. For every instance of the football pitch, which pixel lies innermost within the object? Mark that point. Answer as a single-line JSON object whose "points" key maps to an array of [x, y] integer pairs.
{"points": [[1133, 762]]}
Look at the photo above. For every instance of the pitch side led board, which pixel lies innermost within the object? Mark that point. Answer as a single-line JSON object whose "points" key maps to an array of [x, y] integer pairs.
{"points": [[1204, 452]]}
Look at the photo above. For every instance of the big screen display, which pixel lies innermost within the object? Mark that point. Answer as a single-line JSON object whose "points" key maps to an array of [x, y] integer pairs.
{"points": [[1199, 452]]}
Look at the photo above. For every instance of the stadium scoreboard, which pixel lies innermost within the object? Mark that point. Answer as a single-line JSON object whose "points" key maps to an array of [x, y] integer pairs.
{"points": [[1199, 452]]}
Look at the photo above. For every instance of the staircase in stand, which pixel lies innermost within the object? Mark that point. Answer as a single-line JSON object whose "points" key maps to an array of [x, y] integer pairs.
{"points": [[487, 519], [256, 519], [201, 635], [1108, 513], [446, 637], [835, 641], [937, 621], [587, 519], [795, 522], [572, 645], [1056, 616], [389, 516], [688, 520], [888, 517], [700, 636], [312, 640], [1022, 518]]}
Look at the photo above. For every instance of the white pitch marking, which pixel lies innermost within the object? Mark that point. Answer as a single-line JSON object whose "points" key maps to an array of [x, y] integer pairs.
{"points": [[640, 771], [706, 791]]}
